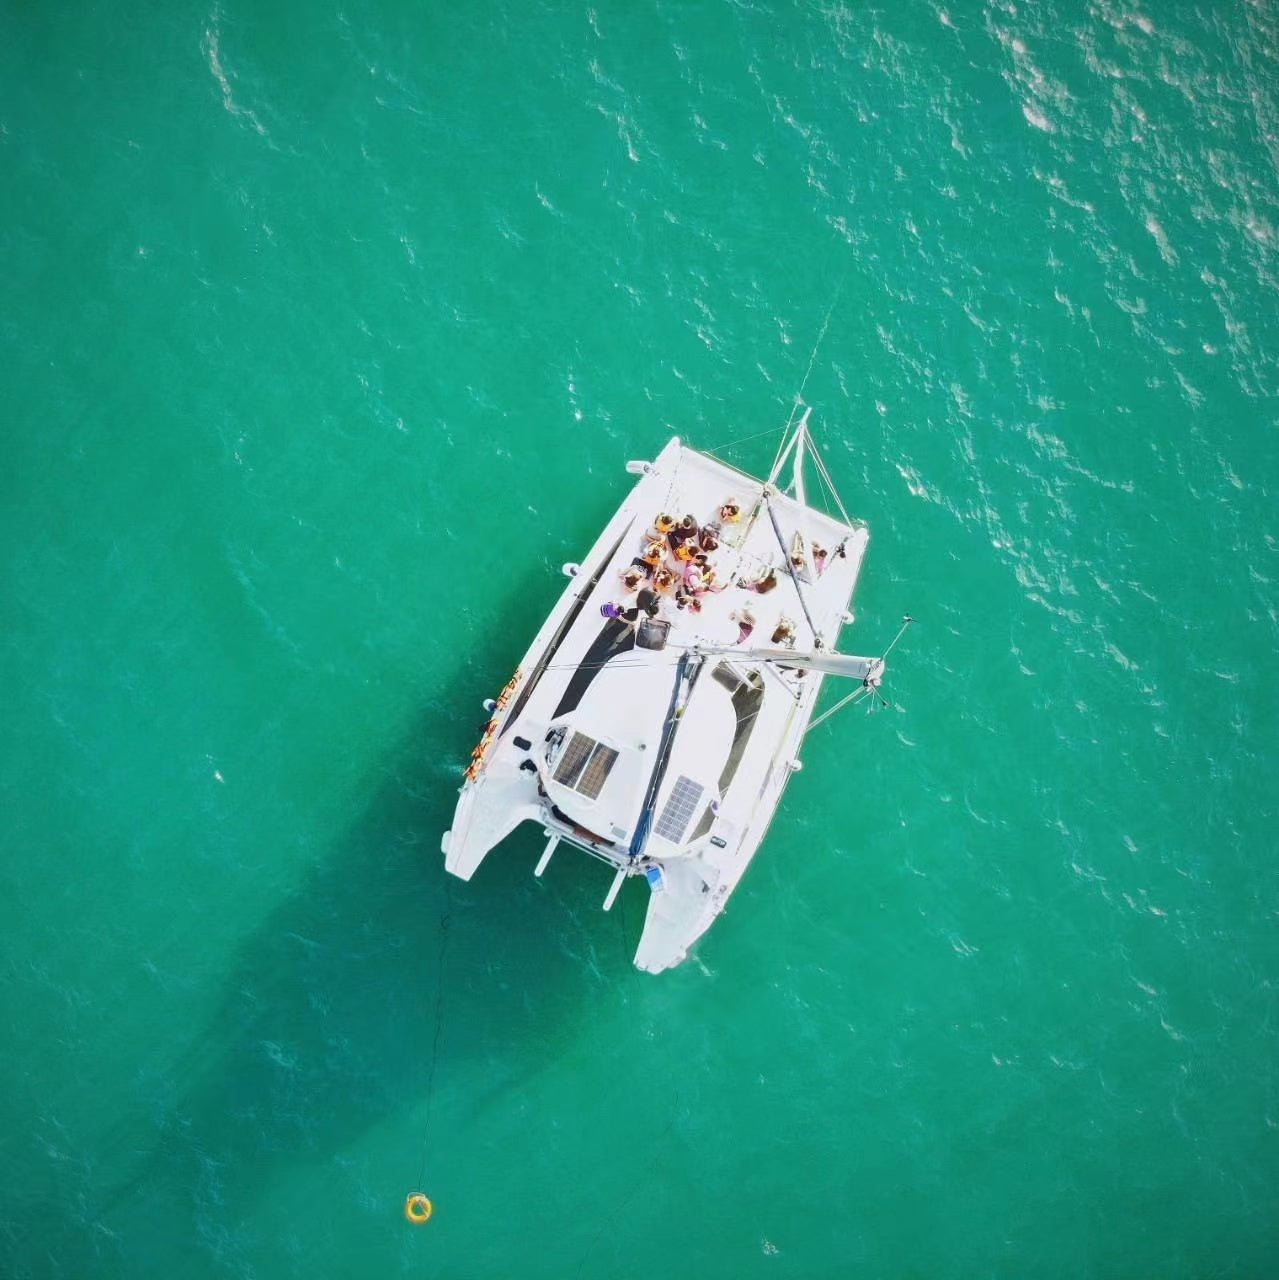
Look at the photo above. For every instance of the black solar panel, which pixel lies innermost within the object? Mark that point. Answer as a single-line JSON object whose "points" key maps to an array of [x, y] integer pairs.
{"points": [[585, 765], [574, 758], [679, 809], [594, 776]]}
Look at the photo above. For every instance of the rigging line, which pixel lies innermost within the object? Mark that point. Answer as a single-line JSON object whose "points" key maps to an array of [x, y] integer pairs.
{"points": [[445, 917], [812, 360], [824, 483], [732, 444], [614, 663], [799, 396], [843, 702], [786, 430], [825, 475], [839, 289], [775, 674], [803, 603], [670, 488]]}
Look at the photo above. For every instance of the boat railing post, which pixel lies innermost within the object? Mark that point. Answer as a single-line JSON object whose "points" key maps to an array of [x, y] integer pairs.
{"points": [[546, 855], [614, 888]]}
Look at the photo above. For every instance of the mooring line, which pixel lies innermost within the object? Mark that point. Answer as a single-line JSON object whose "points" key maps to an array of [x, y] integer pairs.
{"points": [[445, 919], [639, 1185]]}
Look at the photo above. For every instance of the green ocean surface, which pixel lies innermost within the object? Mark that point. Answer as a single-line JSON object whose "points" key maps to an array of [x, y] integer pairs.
{"points": [[327, 333]]}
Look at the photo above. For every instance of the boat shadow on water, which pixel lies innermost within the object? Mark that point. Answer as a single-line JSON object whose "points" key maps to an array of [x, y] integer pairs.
{"points": [[327, 1026]]}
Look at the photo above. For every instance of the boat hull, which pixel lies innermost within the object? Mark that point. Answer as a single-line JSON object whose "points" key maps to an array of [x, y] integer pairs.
{"points": [[688, 744]]}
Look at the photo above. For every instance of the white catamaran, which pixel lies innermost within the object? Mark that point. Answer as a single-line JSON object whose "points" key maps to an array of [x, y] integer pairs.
{"points": [[659, 712]]}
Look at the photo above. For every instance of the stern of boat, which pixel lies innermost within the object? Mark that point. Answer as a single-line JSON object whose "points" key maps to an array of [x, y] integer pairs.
{"points": [[677, 915]]}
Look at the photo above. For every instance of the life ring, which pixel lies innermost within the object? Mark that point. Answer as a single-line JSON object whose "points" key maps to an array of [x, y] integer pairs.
{"points": [[417, 1208]]}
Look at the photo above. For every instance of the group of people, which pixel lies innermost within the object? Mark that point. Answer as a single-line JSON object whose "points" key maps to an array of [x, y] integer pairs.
{"points": [[675, 564]]}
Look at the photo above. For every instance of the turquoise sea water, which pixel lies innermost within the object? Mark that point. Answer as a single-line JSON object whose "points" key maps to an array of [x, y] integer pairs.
{"points": [[326, 335]]}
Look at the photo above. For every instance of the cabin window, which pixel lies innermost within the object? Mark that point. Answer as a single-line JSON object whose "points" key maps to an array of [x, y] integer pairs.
{"points": [[678, 811], [585, 765]]}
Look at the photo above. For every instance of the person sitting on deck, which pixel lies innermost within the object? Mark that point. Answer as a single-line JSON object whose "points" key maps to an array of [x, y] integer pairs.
{"points": [[699, 577], [730, 511], [764, 583], [633, 575], [708, 579], [664, 580], [664, 524], [682, 532], [654, 552], [647, 602], [745, 620], [685, 599], [784, 633]]}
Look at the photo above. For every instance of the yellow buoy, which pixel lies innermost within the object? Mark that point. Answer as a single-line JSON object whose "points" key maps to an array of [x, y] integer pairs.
{"points": [[417, 1208]]}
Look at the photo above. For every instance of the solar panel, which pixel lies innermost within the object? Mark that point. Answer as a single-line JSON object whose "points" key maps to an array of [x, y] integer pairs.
{"points": [[596, 772], [585, 765], [574, 759], [678, 811]]}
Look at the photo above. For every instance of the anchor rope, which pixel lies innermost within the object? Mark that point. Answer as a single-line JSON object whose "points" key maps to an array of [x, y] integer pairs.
{"points": [[639, 1184], [834, 302], [445, 920]]}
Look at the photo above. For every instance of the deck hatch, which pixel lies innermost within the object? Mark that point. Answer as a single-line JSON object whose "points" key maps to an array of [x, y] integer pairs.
{"points": [[585, 765], [678, 812]]}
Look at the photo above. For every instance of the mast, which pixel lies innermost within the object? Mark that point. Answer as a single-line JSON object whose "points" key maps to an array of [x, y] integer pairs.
{"points": [[642, 827]]}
